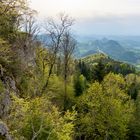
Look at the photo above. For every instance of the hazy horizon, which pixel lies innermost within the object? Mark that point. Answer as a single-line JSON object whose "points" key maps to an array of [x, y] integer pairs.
{"points": [[100, 17]]}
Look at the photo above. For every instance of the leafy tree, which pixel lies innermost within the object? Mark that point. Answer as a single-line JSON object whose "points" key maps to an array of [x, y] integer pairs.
{"points": [[11, 12], [133, 85], [99, 71], [39, 119], [56, 92], [85, 70], [134, 126], [79, 84], [104, 110]]}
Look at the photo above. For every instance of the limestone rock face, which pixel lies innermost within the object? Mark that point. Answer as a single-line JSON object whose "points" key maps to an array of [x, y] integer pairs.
{"points": [[4, 132], [5, 100], [5, 103], [9, 85]]}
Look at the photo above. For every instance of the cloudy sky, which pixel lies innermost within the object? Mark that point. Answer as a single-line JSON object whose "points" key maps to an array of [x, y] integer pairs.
{"points": [[108, 17]]}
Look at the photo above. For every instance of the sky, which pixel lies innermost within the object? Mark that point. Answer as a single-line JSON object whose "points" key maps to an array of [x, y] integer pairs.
{"points": [[101, 17]]}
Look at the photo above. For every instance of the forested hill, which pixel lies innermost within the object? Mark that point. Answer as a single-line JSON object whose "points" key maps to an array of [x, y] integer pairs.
{"points": [[119, 50], [47, 94], [98, 65], [117, 66]]}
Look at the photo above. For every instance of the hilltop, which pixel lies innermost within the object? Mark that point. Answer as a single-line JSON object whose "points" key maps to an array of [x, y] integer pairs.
{"points": [[116, 49]]}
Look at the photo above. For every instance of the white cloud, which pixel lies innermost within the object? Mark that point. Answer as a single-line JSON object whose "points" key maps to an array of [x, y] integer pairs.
{"points": [[95, 16], [86, 8]]}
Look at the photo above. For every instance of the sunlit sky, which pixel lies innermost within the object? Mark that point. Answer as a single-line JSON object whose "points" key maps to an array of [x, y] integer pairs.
{"points": [[112, 17]]}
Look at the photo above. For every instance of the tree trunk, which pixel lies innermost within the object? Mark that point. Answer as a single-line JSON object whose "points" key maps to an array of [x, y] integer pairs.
{"points": [[65, 84], [48, 78]]}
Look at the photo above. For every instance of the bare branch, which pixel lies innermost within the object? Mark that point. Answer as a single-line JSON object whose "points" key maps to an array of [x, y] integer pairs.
{"points": [[55, 31]]}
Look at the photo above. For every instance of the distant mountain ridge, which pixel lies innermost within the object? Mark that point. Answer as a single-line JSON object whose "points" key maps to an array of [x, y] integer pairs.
{"points": [[126, 49], [110, 47]]}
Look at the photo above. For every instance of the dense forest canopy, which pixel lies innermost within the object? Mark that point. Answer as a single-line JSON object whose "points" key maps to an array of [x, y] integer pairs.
{"points": [[48, 94]]}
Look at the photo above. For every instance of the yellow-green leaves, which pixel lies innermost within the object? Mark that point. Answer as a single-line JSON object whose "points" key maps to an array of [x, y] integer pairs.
{"points": [[39, 119], [105, 110], [1, 87]]}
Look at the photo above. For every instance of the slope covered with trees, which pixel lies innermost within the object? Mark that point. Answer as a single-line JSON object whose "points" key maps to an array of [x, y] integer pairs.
{"points": [[121, 50], [47, 94]]}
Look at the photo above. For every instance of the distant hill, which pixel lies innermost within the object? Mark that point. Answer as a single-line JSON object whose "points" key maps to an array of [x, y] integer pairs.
{"points": [[126, 49], [110, 47], [108, 64], [100, 57]]}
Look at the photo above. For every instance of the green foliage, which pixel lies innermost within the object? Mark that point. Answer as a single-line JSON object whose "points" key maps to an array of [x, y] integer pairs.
{"points": [[114, 80], [5, 51], [99, 72], [1, 87], [39, 119], [79, 84], [134, 126], [11, 12], [95, 67], [84, 69], [133, 85], [105, 110], [56, 92]]}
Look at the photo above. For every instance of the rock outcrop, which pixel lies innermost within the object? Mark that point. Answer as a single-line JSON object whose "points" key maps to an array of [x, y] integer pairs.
{"points": [[4, 134]]}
